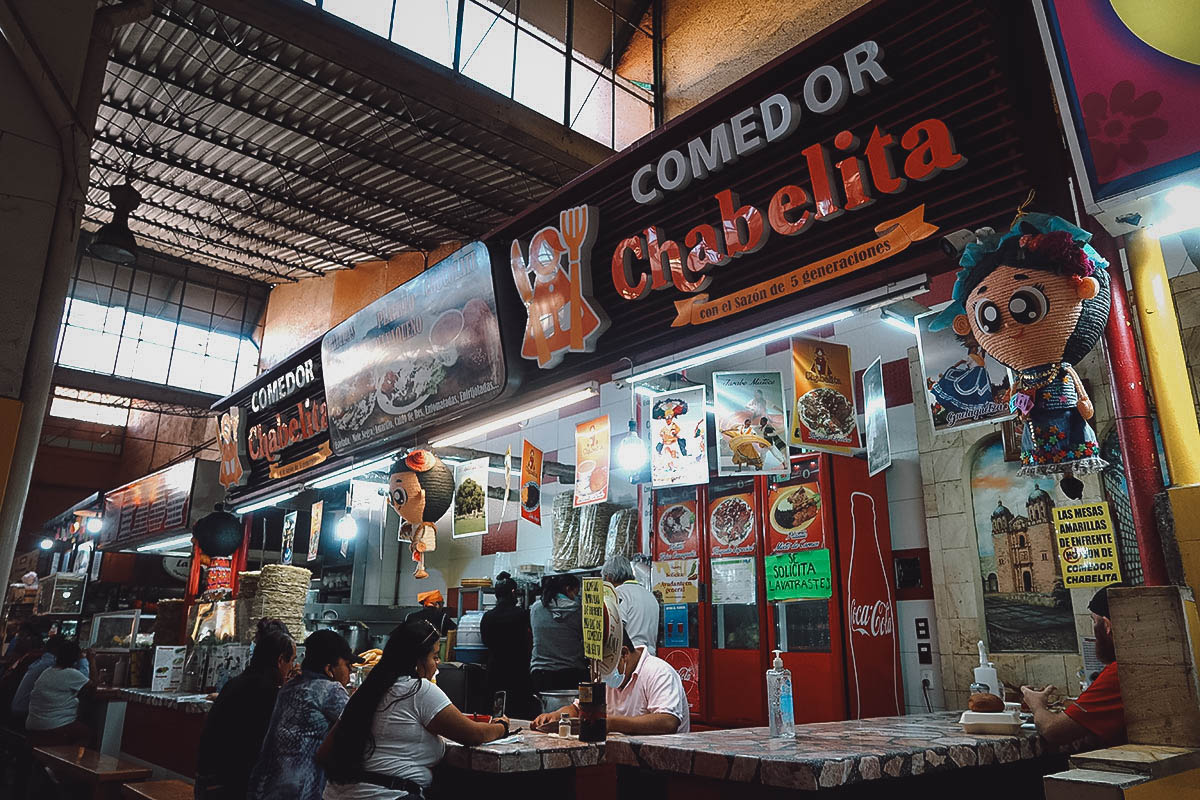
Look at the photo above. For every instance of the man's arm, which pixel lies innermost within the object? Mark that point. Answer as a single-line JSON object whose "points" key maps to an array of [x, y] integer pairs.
{"points": [[653, 724], [551, 719], [1055, 727]]}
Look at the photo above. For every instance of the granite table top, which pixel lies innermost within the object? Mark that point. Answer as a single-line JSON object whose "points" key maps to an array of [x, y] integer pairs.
{"points": [[826, 755], [190, 703], [526, 751]]}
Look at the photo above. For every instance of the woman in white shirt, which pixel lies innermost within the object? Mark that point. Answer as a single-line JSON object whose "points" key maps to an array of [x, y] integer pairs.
{"points": [[54, 702], [387, 741]]}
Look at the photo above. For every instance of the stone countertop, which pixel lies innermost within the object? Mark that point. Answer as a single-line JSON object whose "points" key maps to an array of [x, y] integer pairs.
{"points": [[190, 703], [828, 754], [528, 752]]}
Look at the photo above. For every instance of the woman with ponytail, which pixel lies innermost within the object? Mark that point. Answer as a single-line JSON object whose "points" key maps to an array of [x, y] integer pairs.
{"points": [[386, 743]]}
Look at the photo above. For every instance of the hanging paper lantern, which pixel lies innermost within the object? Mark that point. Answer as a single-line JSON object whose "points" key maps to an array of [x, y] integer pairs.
{"points": [[218, 534]]}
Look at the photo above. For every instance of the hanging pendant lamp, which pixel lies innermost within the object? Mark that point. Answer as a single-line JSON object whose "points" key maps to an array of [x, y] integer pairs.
{"points": [[114, 241]]}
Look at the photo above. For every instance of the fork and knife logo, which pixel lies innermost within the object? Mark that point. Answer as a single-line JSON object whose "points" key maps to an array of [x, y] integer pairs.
{"points": [[562, 316]]}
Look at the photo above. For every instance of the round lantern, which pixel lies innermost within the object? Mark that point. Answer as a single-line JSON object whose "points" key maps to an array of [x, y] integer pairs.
{"points": [[218, 534]]}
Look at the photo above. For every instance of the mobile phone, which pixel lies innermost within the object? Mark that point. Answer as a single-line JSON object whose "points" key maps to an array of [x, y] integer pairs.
{"points": [[499, 701]]}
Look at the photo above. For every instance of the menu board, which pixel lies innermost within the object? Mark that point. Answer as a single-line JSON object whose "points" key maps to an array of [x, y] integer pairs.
{"points": [[157, 503], [823, 416], [794, 517], [428, 348], [676, 526]]}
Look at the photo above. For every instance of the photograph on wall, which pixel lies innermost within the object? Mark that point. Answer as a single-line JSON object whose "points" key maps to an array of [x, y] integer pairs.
{"points": [[1026, 606], [676, 525], [751, 423], [824, 415], [963, 385], [678, 437], [591, 461], [875, 423], [289, 537], [731, 523], [316, 517], [470, 498], [794, 518], [531, 483]]}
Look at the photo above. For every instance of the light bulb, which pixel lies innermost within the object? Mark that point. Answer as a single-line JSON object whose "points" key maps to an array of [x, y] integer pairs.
{"points": [[46, 544], [631, 452], [347, 528], [95, 525]]}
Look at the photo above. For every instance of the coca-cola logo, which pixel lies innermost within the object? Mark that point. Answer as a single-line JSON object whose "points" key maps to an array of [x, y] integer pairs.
{"points": [[873, 619]]}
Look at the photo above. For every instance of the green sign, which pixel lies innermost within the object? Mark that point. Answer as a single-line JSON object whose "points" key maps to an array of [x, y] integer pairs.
{"points": [[799, 576]]}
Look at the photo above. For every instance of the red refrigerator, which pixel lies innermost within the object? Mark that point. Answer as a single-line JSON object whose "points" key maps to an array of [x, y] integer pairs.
{"points": [[747, 561]]}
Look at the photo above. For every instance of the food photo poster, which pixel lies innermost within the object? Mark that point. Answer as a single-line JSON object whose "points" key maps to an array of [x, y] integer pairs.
{"points": [[531, 482], [591, 461], [824, 416], [963, 385], [751, 422], [678, 437]]}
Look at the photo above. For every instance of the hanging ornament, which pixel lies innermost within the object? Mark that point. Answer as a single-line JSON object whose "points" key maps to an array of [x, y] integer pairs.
{"points": [[420, 490]]}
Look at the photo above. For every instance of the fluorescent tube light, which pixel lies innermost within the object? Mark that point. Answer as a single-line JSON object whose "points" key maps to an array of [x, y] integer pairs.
{"points": [[546, 406], [896, 322], [343, 475], [165, 544], [270, 501], [736, 347]]}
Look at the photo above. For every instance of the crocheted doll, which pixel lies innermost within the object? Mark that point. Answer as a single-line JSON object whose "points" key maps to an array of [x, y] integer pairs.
{"points": [[420, 489], [1037, 299]]}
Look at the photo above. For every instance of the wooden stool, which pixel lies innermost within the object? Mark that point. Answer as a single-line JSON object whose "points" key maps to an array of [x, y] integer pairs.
{"points": [[157, 790], [102, 774]]}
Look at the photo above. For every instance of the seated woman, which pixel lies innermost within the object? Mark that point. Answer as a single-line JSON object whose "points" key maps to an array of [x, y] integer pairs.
{"points": [[305, 710], [54, 701], [386, 743], [237, 724]]}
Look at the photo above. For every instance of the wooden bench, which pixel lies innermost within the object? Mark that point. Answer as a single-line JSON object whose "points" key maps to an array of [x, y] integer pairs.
{"points": [[157, 790], [102, 774]]}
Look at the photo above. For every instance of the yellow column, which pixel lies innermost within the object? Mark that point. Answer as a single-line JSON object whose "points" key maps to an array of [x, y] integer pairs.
{"points": [[10, 420], [1164, 356]]}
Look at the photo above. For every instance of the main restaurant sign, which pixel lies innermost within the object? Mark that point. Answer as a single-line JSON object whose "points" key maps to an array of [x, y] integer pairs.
{"points": [[834, 160]]}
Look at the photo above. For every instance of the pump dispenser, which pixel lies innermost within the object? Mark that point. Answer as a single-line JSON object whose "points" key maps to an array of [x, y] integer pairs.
{"points": [[985, 674], [780, 713]]}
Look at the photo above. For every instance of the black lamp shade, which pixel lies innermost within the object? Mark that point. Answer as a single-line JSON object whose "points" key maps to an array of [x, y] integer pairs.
{"points": [[218, 534], [114, 242]]}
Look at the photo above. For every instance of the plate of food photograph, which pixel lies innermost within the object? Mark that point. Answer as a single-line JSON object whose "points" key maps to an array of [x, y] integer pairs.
{"points": [[405, 385], [675, 524], [826, 413], [794, 509], [732, 520]]}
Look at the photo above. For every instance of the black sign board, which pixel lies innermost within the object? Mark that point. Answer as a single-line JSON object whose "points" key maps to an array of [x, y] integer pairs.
{"points": [[429, 349]]}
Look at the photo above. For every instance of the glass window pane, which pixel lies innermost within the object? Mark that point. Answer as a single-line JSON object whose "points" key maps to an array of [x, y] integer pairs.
{"points": [[540, 78], [187, 370], [805, 626], [84, 314], [158, 331], [89, 412], [634, 119], [371, 15], [90, 350], [735, 627], [152, 363], [217, 376], [487, 49], [427, 27], [191, 339], [591, 105]]}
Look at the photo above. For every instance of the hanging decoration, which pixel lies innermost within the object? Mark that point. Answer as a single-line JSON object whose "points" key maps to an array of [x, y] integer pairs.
{"points": [[1037, 299], [420, 490]]}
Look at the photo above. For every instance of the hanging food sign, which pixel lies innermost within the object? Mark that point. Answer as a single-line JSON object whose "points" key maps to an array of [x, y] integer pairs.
{"points": [[470, 498], [531, 483], [289, 537], [794, 516], [316, 517], [875, 423], [824, 416], [591, 461], [731, 521], [676, 526], [430, 348], [678, 437]]}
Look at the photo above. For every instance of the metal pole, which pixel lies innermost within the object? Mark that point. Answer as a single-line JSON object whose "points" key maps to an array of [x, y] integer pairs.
{"points": [[657, 23], [462, 8], [1131, 416], [570, 46]]}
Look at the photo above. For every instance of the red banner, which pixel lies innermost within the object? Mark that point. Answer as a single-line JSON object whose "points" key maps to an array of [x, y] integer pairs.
{"points": [[531, 483]]}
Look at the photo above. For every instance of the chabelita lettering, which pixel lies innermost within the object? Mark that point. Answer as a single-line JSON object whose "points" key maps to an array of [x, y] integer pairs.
{"points": [[269, 440]]}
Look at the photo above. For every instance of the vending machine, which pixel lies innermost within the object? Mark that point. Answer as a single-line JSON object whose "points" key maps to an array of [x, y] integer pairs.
{"points": [[801, 563]]}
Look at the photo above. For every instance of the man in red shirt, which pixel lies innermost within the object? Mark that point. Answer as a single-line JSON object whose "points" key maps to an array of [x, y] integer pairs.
{"points": [[1098, 712]]}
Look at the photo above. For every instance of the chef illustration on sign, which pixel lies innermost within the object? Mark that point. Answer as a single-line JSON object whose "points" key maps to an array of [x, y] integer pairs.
{"points": [[562, 316]]}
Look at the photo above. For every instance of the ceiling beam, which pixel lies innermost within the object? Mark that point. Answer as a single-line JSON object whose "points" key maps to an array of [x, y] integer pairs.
{"points": [[209, 134], [153, 153], [185, 191], [336, 41], [132, 388], [362, 149], [260, 55]]}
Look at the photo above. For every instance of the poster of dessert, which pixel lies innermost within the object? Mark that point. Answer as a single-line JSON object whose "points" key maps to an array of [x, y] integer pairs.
{"points": [[678, 437], [430, 347], [751, 423], [531, 482], [591, 461], [824, 416]]}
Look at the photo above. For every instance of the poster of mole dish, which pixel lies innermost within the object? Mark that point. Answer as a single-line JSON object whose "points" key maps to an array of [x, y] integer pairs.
{"points": [[751, 420]]}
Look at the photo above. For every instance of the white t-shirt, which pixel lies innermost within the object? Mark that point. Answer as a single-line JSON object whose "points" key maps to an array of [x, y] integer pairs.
{"points": [[655, 688], [403, 747], [639, 614], [55, 699]]}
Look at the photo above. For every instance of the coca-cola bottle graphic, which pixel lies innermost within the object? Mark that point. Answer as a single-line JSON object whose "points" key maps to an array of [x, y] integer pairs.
{"points": [[873, 678]]}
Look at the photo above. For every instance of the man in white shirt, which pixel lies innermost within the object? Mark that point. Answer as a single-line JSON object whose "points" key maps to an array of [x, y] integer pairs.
{"points": [[650, 699], [639, 607]]}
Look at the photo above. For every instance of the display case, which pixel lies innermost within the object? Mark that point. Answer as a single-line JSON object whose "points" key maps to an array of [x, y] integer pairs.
{"points": [[61, 593], [122, 630]]}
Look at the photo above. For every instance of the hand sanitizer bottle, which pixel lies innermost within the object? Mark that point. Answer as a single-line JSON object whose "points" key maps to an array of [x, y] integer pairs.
{"points": [[780, 714], [985, 674]]}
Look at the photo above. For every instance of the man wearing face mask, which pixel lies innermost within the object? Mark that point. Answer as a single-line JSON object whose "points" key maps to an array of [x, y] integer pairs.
{"points": [[644, 697]]}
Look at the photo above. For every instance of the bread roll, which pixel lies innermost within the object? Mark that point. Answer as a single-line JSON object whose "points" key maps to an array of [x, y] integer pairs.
{"points": [[985, 703]]}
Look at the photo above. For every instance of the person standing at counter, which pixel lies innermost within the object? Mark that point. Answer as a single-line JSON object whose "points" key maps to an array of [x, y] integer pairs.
{"points": [[434, 612], [557, 623], [639, 607], [509, 641], [237, 724], [305, 710], [386, 743]]}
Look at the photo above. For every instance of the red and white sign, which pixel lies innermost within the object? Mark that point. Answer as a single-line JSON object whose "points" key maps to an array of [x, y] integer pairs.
{"points": [[686, 661]]}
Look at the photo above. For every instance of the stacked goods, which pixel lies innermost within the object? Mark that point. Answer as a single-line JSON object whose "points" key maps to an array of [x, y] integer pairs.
{"points": [[282, 590], [245, 618], [168, 623], [564, 521], [593, 533], [622, 534]]}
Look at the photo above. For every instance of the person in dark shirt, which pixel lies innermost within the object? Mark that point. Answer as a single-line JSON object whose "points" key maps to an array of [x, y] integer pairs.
{"points": [[509, 641], [237, 724], [434, 612]]}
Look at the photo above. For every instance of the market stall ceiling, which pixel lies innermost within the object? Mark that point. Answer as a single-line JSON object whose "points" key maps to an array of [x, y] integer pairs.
{"points": [[273, 141]]}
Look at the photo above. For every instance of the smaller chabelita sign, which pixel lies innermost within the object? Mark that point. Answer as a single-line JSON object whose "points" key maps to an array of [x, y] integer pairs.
{"points": [[1087, 545]]}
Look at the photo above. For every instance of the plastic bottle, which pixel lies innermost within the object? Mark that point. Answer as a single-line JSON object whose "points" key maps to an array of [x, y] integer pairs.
{"points": [[564, 726], [780, 713], [985, 673]]}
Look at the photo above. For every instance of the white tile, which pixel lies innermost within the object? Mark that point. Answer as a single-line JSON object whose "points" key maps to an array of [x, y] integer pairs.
{"points": [[904, 478], [906, 519], [902, 429]]}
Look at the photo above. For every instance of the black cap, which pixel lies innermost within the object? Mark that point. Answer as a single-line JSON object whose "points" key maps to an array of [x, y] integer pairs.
{"points": [[323, 648], [1099, 602]]}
